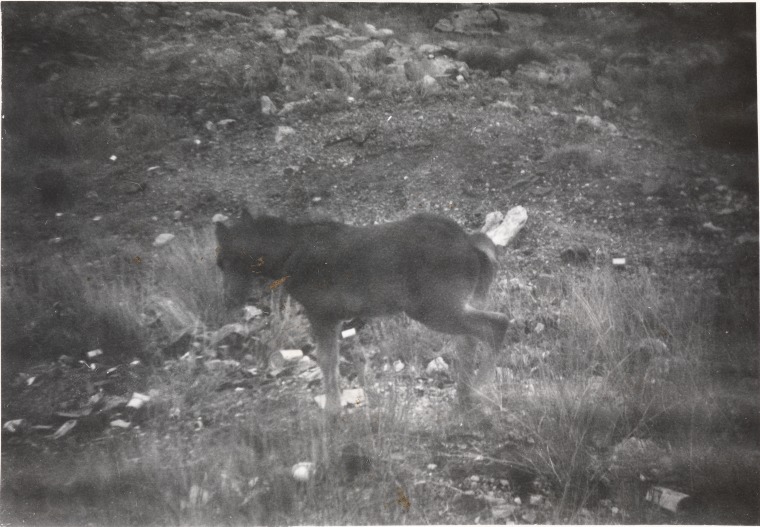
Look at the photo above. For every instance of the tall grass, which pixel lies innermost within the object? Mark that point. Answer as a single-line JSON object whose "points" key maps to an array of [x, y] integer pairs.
{"points": [[54, 305], [579, 403]]}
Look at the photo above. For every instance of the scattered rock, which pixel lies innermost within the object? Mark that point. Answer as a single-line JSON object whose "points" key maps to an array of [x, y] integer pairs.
{"points": [[230, 335], [14, 426], [93, 354], [504, 105], [439, 67], [66, 360], [303, 471], [163, 239], [709, 227], [488, 20], [596, 123], [364, 57], [666, 498], [267, 106], [430, 85], [330, 73], [131, 187], [283, 132], [354, 397], [444, 25], [429, 49], [472, 21], [293, 106], [437, 366], [216, 19], [137, 401], [64, 429], [251, 312], [562, 74], [283, 358], [451, 47], [380, 34], [514, 284]]}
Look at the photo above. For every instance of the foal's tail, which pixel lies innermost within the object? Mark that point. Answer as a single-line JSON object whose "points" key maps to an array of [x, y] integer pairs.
{"points": [[488, 262]]}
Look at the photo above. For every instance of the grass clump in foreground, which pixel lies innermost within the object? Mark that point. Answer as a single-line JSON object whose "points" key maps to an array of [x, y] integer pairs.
{"points": [[592, 411], [625, 398], [117, 299]]}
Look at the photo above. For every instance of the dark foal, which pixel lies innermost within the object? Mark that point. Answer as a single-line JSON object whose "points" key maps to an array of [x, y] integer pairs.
{"points": [[425, 266]]}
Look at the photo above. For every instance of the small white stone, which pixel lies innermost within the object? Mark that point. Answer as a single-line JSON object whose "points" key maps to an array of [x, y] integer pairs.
{"points": [[163, 239]]}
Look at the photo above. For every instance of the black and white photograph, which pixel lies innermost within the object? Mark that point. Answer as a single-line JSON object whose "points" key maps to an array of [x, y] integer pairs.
{"points": [[379, 264]]}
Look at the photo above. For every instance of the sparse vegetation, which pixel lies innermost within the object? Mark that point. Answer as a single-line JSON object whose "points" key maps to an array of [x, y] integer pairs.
{"points": [[568, 408]]}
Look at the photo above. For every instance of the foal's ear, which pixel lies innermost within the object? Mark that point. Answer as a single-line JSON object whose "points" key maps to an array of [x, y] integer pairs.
{"points": [[246, 217]]}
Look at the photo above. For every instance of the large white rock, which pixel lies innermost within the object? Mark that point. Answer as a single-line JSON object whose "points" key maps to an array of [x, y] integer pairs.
{"points": [[502, 231]]}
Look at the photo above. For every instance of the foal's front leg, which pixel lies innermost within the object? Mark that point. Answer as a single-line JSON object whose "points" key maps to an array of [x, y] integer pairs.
{"points": [[326, 334], [490, 328]]}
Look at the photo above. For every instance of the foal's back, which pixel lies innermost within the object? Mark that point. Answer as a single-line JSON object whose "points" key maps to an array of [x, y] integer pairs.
{"points": [[412, 265]]}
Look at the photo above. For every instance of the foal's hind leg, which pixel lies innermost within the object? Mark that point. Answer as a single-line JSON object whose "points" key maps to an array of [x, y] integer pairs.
{"points": [[487, 326]]}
